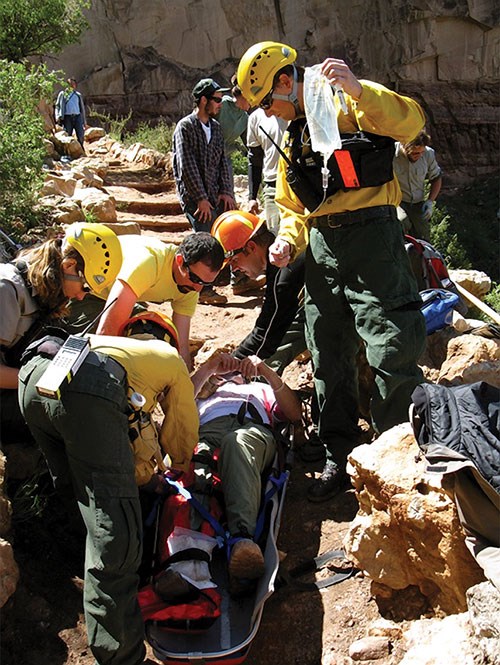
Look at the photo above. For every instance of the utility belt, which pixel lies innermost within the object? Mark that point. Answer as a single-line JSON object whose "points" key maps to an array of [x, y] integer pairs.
{"points": [[365, 160], [339, 219], [111, 366]]}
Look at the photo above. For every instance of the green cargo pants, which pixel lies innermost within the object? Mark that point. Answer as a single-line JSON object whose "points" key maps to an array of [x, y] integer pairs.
{"points": [[359, 285], [246, 451], [84, 437]]}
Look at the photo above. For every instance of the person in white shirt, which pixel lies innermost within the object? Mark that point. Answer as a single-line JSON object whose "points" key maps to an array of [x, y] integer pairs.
{"points": [[263, 157]]}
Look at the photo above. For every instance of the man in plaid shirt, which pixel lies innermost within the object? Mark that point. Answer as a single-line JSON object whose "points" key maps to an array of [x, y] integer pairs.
{"points": [[202, 176]]}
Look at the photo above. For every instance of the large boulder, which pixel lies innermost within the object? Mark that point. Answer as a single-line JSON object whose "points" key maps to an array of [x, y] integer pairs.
{"points": [[471, 358], [99, 203], [407, 535]]}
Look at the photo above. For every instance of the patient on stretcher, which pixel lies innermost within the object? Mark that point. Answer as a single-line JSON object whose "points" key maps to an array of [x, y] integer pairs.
{"points": [[238, 429]]}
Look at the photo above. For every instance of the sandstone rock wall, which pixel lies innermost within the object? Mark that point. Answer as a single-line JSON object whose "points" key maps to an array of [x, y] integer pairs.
{"points": [[146, 56]]}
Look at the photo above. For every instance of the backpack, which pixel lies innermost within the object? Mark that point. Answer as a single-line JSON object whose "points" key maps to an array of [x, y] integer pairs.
{"points": [[430, 270]]}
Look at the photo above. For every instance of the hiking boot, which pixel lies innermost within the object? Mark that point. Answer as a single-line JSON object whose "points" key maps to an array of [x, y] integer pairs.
{"points": [[246, 285], [313, 449], [246, 561], [209, 296], [171, 586], [331, 482], [224, 277]]}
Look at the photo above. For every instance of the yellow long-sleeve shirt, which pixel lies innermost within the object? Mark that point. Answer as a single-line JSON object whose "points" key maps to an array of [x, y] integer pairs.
{"points": [[379, 111], [154, 368]]}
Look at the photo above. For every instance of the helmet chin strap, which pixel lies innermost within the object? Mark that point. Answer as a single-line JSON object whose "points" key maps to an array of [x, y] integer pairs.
{"points": [[292, 97]]}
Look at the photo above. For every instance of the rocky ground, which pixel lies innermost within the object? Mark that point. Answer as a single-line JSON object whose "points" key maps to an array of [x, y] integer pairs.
{"points": [[43, 622]]}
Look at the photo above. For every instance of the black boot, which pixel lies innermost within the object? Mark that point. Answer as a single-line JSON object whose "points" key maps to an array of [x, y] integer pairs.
{"points": [[331, 482]]}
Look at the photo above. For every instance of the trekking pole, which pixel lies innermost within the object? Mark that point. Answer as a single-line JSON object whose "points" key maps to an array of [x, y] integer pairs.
{"points": [[486, 309]]}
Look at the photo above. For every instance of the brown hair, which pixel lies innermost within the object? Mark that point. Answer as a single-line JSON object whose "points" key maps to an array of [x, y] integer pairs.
{"points": [[45, 273]]}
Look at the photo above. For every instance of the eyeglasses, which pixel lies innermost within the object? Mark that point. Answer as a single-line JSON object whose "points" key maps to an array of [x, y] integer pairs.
{"points": [[193, 277], [217, 100], [267, 101]]}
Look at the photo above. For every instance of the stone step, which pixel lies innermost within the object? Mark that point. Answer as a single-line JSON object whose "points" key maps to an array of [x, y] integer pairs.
{"points": [[134, 201], [155, 222]]}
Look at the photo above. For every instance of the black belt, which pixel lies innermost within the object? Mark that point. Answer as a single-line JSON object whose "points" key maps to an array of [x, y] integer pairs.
{"points": [[270, 183], [110, 365], [338, 219], [72, 115]]}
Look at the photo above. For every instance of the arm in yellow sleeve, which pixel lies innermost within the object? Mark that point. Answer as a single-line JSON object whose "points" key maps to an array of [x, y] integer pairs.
{"points": [[179, 431], [387, 113]]}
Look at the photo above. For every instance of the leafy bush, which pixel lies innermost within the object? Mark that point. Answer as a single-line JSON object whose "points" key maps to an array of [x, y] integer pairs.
{"points": [[493, 298], [240, 163], [446, 242], [158, 137], [21, 143], [38, 27]]}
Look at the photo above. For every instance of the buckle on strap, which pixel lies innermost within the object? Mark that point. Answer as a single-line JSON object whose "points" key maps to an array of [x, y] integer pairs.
{"points": [[337, 219]]}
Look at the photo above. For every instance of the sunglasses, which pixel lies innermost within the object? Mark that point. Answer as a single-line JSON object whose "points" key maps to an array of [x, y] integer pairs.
{"points": [[267, 101], [232, 253], [193, 277], [217, 100]]}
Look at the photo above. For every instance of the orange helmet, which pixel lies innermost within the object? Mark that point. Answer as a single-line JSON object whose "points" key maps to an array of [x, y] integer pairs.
{"points": [[153, 324], [234, 228]]}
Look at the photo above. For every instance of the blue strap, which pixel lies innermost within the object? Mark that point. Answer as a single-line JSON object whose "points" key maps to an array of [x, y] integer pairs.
{"points": [[277, 483], [222, 536]]}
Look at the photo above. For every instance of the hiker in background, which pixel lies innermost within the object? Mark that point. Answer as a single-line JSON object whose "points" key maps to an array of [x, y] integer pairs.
{"points": [[70, 111], [85, 438], [263, 158], [201, 172], [35, 289], [158, 272], [359, 282], [233, 118], [414, 165]]}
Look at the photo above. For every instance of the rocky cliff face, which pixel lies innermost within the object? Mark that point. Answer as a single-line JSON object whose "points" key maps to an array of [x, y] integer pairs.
{"points": [[146, 56]]}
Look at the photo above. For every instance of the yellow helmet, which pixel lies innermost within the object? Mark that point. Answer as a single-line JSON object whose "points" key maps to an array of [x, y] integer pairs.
{"points": [[100, 250], [258, 67]]}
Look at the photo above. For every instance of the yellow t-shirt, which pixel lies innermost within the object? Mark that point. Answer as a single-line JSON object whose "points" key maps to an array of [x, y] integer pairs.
{"points": [[147, 269], [155, 367]]}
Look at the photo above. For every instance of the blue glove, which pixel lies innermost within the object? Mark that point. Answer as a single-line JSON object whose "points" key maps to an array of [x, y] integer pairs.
{"points": [[427, 210]]}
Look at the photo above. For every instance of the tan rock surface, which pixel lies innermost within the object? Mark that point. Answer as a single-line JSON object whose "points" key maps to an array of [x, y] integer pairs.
{"points": [[407, 532]]}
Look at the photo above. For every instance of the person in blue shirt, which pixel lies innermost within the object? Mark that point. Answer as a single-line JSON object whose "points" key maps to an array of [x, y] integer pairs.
{"points": [[70, 111]]}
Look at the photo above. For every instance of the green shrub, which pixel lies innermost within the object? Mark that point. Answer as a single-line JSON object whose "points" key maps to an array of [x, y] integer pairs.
{"points": [[446, 242], [493, 298], [21, 143], [239, 162], [38, 27], [157, 137]]}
